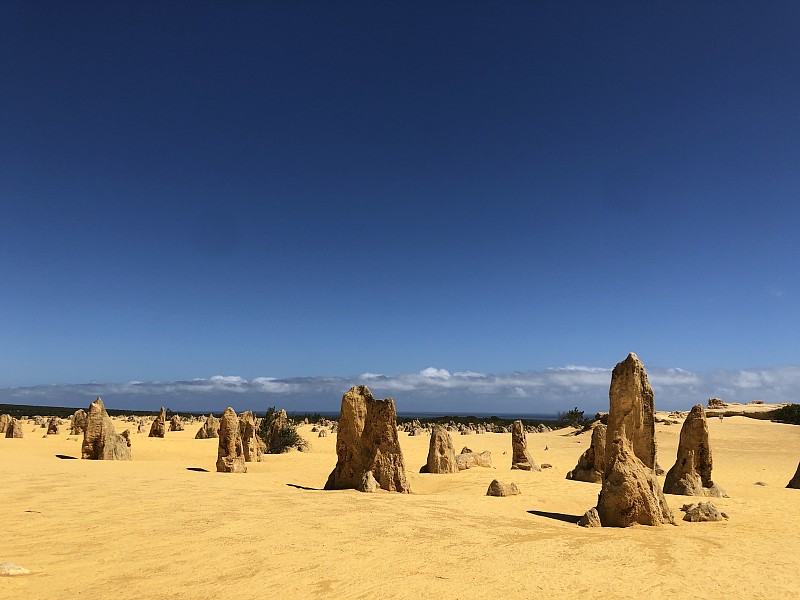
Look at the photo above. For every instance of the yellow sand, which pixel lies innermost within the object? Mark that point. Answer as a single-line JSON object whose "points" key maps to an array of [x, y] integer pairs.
{"points": [[150, 528]]}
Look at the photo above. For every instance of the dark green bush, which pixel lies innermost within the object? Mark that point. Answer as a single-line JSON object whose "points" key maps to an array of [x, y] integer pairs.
{"points": [[571, 418], [788, 414], [281, 438]]}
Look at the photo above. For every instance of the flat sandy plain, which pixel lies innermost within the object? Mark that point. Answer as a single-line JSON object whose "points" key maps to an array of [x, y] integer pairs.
{"points": [[151, 528]]}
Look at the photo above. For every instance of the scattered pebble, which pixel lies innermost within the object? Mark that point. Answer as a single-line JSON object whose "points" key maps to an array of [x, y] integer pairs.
{"points": [[9, 569]]}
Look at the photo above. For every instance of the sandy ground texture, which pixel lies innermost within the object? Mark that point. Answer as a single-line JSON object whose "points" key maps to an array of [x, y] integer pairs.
{"points": [[153, 528]]}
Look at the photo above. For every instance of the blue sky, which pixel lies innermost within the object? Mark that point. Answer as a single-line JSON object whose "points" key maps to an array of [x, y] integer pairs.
{"points": [[307, 190]]}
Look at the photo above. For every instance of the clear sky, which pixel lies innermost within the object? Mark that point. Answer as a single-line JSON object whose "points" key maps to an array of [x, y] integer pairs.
{"points": [[281, 192]]}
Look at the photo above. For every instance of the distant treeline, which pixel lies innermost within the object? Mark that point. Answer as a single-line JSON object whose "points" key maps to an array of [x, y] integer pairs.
{"points": [[63, 412]]}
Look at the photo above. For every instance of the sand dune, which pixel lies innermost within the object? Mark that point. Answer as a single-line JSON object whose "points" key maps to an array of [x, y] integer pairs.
{"points": [[151, 528]]}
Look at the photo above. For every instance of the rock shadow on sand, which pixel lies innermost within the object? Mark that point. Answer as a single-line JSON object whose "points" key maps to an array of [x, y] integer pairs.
{"points": [[304, 487], [557, 516], [197, 469], [66, 457]]}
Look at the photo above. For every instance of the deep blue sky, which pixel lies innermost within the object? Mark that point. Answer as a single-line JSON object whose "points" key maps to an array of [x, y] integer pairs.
{"points": [[304, 189]]}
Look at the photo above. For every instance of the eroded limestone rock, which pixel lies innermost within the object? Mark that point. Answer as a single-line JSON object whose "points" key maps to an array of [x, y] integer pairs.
{"points": [[100, 441], [209, 429], [631, 492], [691, 473], [467, 460], [521, 458], [497, 488], [230, 455], [631, 412], [591, 464], [441, 453], [367, 441], [159, 426], [14, 429]]}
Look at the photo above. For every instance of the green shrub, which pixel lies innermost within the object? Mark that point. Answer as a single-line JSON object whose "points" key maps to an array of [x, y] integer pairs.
{"points": [[571, 418], [282, 437], [788, 414]]}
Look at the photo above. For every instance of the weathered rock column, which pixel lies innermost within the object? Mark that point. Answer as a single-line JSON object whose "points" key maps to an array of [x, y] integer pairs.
{"points": [[367, 441], [691, 473]]}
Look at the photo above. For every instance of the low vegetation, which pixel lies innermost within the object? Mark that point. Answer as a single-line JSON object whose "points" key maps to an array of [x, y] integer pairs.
{"points": [[279, 433], [788, 414], [572, 418]]}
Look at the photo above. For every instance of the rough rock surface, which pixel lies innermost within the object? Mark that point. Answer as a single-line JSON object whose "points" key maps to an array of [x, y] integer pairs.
{"points": [[52, 426], [274, 444], [77, 423], [441, 453], [795, 481], [496, 488], [590, 519], [159, 426], [209, 429], [591, 464], [701, 512], [175, 423], [368, 484], [467, 460], [716, 403], [521, 458], [253, 445], [367, 441], [4, 421], [691, 473], [631, 411], [100, 441], [631, 492], [230, 456], [14, 429]]}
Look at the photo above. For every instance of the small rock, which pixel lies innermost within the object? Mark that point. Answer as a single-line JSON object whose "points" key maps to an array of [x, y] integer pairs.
{"points": [[368, 484], [496, 488], [546, 466], [9, 569], [761, 483], [702, 512], [590, 519]]}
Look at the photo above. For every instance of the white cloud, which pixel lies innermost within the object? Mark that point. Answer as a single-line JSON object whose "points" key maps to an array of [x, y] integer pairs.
{"points": [[431, 388], [435, 373]]}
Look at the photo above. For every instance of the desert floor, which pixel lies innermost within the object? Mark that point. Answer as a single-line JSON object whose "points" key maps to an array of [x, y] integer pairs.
{"points": [[151, 528]]}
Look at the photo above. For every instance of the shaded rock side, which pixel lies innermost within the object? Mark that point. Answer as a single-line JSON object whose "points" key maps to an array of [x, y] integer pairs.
{"points": [[209, 429], [467, 460], [14, 429], [497, 488], [367, 441], [100, 441], [252, 445], [159, 426], [175, 423], [691, 473], [230, 455], [521, 458], [77, 423], [591, 464], [441, 453], [631, 492], [631, 412], [795, 481], [4, 421]]}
